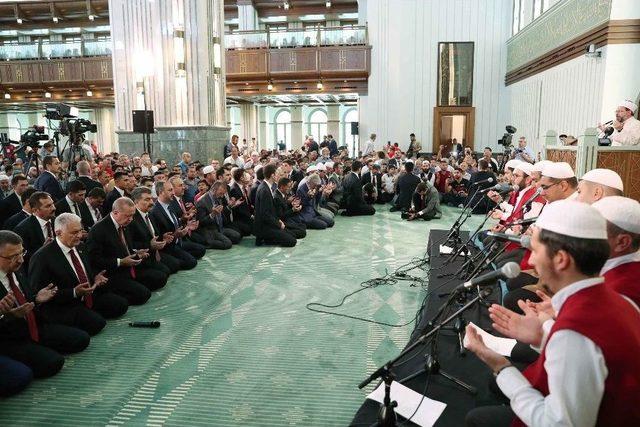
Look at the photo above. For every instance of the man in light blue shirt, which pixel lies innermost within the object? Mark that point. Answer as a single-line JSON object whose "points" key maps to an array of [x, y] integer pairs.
{"points": [[523, 153]]}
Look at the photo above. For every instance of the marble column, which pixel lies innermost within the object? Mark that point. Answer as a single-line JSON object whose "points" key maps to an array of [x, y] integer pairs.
{"points": [[248, 122], [263, 128], [168, 56], [4, 123], [333, 121], [247, 16], [297, 134], [105, 137]]}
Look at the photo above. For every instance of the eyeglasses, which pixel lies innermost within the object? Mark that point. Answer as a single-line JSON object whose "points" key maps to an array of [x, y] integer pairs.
{"points": [[546, 187], [16, 256]]}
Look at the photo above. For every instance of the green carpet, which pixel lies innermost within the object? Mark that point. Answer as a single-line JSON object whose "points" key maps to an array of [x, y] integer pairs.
{"points": [[237, 346]]}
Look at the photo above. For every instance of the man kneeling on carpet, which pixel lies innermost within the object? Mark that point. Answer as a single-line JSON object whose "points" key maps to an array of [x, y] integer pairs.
{"points": [[587, 373], [425, 203]]}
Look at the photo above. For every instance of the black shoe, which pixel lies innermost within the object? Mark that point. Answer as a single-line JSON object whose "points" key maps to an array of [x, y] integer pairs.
{"points": [[259, 242], [394, 209]]}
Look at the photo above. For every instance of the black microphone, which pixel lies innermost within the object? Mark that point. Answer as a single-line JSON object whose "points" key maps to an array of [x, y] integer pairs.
{"points": [[501, 188], [484, 181], [608, 131], [154, 324], [524, 241], [528, 203], [508, 271], [525, 221]]}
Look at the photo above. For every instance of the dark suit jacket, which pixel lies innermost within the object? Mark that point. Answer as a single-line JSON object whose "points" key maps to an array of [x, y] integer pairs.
{"points": [[107, 205], [140, 234], [14, 220], [51, 266], [283, 209], [104, 246], [47, 182], [89, 183], [9, 206], [62, 206], [309, 204], [352, 191], [366, 179], [162, 223], [265, 216], [32, 237], [407, 184], [242, 212], [254, 192], [333, 147], [13, 327]]}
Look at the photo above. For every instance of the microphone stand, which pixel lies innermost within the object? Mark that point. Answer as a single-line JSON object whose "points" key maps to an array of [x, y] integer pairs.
{"points": [[464, 248], [454, 232], [387, 416]]}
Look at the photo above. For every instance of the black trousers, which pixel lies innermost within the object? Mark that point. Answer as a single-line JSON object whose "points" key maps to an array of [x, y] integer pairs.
{"points": [[108, 304], [195, 249], [157, 265], [242, 227], [298, 230], [185, 260], [279, 237], [319, 223], [14, 376], [152, 278], [358, 210], [76, 315], [121, 284], [233, 235], [490, 416], [44, 357], [171, 262]]}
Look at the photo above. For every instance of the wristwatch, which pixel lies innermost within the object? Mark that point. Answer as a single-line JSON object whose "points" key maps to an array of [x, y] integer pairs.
{"points": [[496, 373]]}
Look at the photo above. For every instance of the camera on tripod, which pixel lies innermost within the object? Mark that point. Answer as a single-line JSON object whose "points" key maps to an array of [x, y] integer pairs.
{"points": [[33, 136], [70, 125], [506, 140]]}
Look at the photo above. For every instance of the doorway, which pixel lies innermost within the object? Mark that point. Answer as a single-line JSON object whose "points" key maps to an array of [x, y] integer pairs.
{"points": [[452, 123]]}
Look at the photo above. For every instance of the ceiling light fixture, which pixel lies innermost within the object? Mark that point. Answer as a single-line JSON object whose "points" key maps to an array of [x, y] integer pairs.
{"points": [[89, 93], [19, 20], [286, 5], [92, 17], [270, 86], [47, 94], [7, 95], [328, 4], [320, 85]]}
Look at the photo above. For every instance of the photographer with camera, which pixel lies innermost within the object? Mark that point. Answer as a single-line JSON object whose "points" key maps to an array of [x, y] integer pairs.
{"points": [[523, 153]]}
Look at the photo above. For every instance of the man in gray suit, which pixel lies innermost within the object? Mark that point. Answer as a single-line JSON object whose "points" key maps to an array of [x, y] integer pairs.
{"points": [[210, 215]]}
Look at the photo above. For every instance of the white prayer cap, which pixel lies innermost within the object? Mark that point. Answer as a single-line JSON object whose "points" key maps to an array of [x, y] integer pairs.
{"points": [[208, 169], [604, 177], [321, 167], [329, 164], [573, 219], [4, 177], [525, 167], [312, 168], [630, 105], [540, 165], [512, 164], [620, 211], [559, 170]]}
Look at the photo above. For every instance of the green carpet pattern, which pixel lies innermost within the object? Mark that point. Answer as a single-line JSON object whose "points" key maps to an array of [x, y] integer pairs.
{"points": [[237, 347]]}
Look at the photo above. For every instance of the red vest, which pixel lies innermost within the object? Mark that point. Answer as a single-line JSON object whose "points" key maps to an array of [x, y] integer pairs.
{"points": [[518, 214], [624, 280], [611, 322]]}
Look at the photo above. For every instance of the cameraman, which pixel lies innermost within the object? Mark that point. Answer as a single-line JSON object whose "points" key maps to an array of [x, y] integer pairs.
{"points": [[48, 149], [523, 153]]}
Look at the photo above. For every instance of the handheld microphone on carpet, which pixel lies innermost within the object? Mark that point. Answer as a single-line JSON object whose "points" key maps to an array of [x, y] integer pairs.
{"points": [[484, 181], [524, 241], [501, 188], [508, 271], [154, 324]]}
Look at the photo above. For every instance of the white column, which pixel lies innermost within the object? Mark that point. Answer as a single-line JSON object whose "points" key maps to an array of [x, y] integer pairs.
{"points": [[247, 16], [105, 136], [333, 121], [248, 121], [297, 134], [263, 128]]}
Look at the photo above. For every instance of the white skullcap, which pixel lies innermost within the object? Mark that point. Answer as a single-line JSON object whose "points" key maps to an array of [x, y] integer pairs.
{"points": [[620, 211], [559, 170], [630, 105], [329, 164], [604, 177], [573, 219], [321, 167], [540, 165], [312, 168], [4, 177], [525, 167], [208, 169], [512, 164]]}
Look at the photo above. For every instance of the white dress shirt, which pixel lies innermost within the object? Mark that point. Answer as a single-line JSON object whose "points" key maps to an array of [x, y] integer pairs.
{"points": [[5, 281], [238, 161], [388, 183], [43, 226], [147, 223], [369, 147], [72, 206], [576, 373], [92, 211], [535, 210], [629, 135], [618, 261]]}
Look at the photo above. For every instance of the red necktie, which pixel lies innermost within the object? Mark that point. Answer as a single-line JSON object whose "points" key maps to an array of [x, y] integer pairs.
{"points": [[49, 230], [124, 242], [31, 318], [82, 277]]}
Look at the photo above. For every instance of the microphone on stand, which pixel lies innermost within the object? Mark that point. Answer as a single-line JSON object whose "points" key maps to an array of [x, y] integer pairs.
{"points": [[484, 181], [501, 188], [508, 271], [527, 204], [528, 221], [524, 241]]}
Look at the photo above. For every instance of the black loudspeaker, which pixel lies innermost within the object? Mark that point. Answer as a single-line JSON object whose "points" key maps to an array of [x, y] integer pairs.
{"points": [[142, 124], [354, 128]]}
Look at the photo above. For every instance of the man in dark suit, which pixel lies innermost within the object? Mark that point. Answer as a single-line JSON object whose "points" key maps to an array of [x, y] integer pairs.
{"points": [[309, 194], [352, 193], [37, 230], [14, 376], [165, 221], [12, 204], [293, 173], [111, 249], [479, 181], [121, 184], [144, 234], [94, 200], [84, 176], [48, 179], [74, 203], [333, 146], [374, 177], [17, 218], [407, 183], [287, 210], [254, 188], [268, 227], [81, 300], [25, 335], [211, 218], [185, 212], [242, 210]]}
